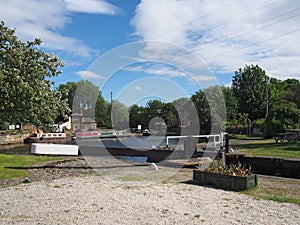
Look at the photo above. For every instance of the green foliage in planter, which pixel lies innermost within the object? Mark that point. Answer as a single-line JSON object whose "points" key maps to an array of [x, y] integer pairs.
{"points": [[233, 170]]}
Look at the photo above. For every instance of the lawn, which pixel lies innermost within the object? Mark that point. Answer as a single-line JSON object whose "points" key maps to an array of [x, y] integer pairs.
{"points": [[276, 189], [270, 148], [7, 162]]}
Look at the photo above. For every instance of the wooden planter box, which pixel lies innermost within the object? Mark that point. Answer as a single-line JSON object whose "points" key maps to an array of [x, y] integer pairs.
{"points": [[232, 183]]}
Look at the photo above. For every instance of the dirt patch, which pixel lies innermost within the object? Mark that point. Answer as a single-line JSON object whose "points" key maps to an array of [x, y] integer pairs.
{"points": [[52, 170]]}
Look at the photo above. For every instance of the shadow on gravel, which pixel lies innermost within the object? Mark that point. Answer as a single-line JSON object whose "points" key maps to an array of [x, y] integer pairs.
{"points": [[70, 167]]}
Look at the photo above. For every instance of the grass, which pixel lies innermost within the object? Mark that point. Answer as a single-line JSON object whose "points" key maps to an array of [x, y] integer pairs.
{"points": [[279, 190], [8, 162], [268, 147], [277, 195], [239, 136]]}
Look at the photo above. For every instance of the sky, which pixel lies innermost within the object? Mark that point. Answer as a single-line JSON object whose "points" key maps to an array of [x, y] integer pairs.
{"points": [[166, 49]]}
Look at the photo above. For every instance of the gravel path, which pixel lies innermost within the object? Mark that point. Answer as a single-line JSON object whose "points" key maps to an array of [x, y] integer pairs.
{"points": [[96, 200]]}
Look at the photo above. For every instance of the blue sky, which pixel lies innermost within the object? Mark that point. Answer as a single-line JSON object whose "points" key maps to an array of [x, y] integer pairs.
{"points": [[224, 36]]}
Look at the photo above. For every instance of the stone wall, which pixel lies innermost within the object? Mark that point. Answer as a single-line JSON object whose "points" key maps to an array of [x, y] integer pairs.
{"points": [[12, 138]]}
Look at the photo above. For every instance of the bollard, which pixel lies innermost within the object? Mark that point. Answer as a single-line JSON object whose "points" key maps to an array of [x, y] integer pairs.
{"points": [[226, 136]]}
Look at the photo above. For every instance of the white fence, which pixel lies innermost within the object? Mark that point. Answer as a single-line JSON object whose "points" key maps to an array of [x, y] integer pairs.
{"points": [[217, 140]]}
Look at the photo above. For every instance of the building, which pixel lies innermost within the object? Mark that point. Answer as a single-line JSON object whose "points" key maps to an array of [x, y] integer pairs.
{"points": [[79, 122]]}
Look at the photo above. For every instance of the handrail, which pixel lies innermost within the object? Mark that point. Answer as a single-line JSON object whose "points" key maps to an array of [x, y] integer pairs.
{"points": [[208, 136]]}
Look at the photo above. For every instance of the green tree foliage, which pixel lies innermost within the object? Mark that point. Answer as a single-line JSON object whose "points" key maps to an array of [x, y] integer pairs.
{"points": [[284, 110], [134, 116], [187, 116], [292, 91], [281, 117], [25, 86], [119, 116], [102, 112], [202, 106], [85, 98], [249, 86], [68, 91], [231, 104], [169, 113], [211, 108]]}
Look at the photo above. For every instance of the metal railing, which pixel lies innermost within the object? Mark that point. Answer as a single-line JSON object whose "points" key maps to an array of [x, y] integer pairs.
{"points": [[217, 139]]}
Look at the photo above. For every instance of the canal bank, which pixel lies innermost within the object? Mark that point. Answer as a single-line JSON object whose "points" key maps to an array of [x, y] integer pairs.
{"points": [[12, 138]]}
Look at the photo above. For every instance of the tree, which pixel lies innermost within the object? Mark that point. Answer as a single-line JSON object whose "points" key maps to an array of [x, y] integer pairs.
{"points": [[134, 116], [282, 116], [81, 97], [284, 110], [292, 91], [211, 109], [102, 112], [231, 104], [85, 98], [249, 86], [25, 86], [169, 115], [68, 91], [203, 109], [119, 116], [187, 116]]}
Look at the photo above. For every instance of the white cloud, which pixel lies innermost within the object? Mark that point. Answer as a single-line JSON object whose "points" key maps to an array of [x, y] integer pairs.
{"points": [[91, 6], [169, 72], [156, 69], [227, 34], [89, 75], [137, 88], [46, 18]]}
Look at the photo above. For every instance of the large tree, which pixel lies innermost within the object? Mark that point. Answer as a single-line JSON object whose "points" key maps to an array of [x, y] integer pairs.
{"points": [[119, 116], [282, 116], [204, 114], [249, 86], [26, 90], [211, 109], [103, 112], [85, 98], [292, 91], [231, 104], [68, 91], [284, 112]]}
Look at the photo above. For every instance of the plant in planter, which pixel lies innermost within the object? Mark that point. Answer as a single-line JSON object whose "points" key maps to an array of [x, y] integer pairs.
{"points": [[232, 177]]}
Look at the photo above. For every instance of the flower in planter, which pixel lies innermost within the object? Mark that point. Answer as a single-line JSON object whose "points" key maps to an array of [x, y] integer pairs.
{"points": [[233, 169]]}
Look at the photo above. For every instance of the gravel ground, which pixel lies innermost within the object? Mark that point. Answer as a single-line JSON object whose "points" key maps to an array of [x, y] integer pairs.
{"points": [[93, 199]]}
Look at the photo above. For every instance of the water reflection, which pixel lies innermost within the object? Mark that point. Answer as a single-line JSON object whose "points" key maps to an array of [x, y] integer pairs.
{"points": [[15, 149]]}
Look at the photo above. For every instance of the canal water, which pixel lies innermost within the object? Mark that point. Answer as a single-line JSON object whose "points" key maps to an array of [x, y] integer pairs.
{"points": [[16, 149], [144, 142]]}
